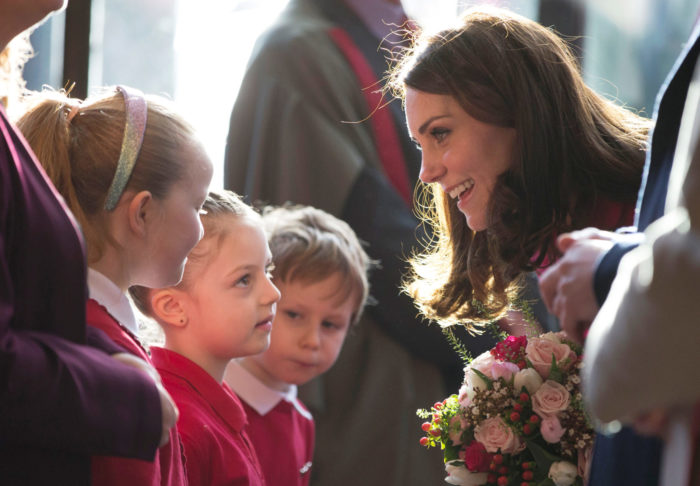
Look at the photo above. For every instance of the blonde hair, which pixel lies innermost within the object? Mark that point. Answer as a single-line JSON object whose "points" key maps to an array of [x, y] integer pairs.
{"points": [[218, 209], [12, 60], [310, 245], [80, 152]]}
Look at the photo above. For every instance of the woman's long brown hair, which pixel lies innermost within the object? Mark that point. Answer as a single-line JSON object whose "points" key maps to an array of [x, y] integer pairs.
{"points": [[573, 148]]}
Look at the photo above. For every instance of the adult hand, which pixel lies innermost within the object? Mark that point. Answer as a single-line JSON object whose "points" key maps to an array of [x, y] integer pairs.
{"points": [[567, 286], [169, 411], [652, 423]]}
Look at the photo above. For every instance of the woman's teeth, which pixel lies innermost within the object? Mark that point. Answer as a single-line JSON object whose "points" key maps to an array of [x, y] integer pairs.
{"points": [[454, 193]]}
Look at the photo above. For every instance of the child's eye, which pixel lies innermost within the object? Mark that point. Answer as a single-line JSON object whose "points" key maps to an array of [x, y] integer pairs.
{"points": [[292, 314], [439, 134], [244, 281], [330, 325]]}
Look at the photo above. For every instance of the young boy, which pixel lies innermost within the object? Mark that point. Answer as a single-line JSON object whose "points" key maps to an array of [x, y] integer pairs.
{"points": [[320, 269]]}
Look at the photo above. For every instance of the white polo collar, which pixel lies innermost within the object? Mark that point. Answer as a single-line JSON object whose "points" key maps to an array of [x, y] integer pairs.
{"points": [[107, 294], [258, 395]]}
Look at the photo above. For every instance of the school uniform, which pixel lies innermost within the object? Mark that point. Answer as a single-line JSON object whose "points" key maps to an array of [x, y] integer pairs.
{"points": [[212, 424], [280, 427], [109, 310], [59, 397]]}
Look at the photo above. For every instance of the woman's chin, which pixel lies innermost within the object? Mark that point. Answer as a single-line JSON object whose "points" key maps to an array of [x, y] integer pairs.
{"points": [[475, 222]]}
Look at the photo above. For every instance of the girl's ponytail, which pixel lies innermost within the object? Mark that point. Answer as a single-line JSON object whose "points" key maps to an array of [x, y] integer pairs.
{"points": [[47, 127]]}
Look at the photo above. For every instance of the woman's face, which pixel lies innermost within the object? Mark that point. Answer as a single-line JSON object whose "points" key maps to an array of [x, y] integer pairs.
{"points": [[460, 153]]}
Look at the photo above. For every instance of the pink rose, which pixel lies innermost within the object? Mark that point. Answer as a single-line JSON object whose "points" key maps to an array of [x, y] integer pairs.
{"points": [[496, 435], [551, 429], [464, 398], [550, 398], [504, 369], [476, 458], [483, 363], [540, 350]]}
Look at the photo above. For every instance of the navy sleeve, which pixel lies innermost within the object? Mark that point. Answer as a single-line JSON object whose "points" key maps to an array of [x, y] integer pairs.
{"points": [[607, 269]]}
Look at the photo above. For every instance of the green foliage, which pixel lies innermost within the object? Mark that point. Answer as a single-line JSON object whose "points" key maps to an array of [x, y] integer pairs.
{"points": [[459, 348], [556, 373]]}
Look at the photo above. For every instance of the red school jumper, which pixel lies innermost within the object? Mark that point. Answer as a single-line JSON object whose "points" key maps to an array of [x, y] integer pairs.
{"points": [[212, 424], [167, 469], [281, 428]]}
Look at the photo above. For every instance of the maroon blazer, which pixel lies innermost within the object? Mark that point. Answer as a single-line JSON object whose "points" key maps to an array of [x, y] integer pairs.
{"points": [[60, 400]]}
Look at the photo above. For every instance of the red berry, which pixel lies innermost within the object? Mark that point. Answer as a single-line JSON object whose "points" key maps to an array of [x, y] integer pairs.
{"points": [[423, 441], [437, 406], [502, 481], [436, 417], [524, 397], [492, 466], [534, 419], [526, 465], [527, 429], [522, 364], [517, 407], [528, 475], [425, 426], [497, 458], [514, 417], [435, 432]]}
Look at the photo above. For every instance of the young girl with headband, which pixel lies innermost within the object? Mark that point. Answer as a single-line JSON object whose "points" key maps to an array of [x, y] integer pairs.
{"points": [[222, 309], [135, 176]]}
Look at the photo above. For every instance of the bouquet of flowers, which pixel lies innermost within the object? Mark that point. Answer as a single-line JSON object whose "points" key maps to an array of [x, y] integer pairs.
{"points": [[518, 419]]}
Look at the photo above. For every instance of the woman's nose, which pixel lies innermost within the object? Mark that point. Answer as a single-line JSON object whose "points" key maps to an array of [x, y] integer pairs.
{"points": [[430, 169]]}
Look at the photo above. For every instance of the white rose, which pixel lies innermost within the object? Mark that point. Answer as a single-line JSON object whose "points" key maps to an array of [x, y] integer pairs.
{"points": [[461, 476], [563, 473], [474, 381], [528, 378]]}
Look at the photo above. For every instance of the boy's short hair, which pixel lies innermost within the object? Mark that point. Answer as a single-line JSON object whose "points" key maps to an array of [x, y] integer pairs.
{"points": [[310, 245]]}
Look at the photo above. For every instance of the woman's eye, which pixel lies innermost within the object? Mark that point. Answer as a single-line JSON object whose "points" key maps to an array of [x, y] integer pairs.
{"points": [[439, 134]]}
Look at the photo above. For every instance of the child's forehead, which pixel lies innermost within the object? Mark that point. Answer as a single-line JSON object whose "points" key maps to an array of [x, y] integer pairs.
{"points": [[334, 287]]}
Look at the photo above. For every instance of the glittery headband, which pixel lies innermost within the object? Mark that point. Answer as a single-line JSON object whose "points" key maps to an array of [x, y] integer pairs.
{"points": [[135, 110]]}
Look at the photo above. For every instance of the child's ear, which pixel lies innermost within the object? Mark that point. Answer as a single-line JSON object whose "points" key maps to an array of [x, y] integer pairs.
{"points": [[167, 307], [138, 210]]}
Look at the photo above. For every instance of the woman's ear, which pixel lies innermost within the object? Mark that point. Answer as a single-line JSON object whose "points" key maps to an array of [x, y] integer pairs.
{"points": [[140, 212], [168, 307]]}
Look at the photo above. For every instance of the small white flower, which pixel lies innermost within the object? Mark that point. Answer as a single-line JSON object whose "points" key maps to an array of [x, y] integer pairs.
{"points": [[563, 473]]}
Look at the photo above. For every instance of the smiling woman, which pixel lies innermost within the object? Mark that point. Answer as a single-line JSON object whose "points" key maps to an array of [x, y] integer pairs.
{"points": [[516, 150]]}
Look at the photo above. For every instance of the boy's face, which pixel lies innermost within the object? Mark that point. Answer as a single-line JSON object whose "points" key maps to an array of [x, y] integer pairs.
{"points": [[310, 326], [231, 303]]}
